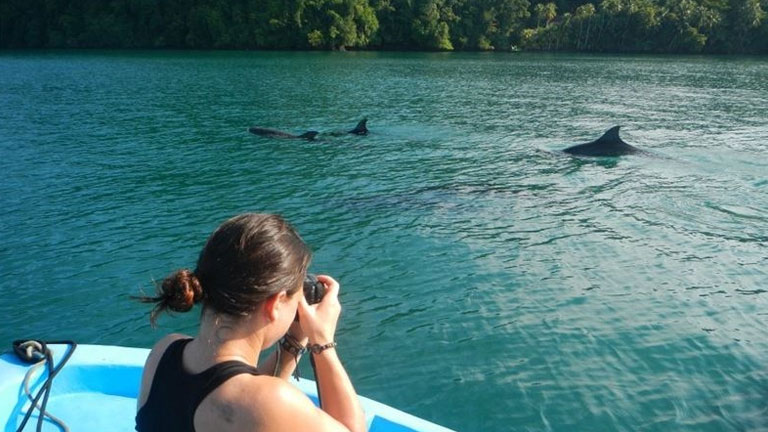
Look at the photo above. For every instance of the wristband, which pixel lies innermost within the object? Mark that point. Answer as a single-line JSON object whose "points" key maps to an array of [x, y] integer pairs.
{"points": [[317, 348], [290, 344], [295, 348]]}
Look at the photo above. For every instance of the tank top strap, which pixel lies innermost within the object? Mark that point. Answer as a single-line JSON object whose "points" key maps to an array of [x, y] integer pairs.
{"points": [[173, 354], [170, 362], [168, 394], [211, 378], [216, 375]]}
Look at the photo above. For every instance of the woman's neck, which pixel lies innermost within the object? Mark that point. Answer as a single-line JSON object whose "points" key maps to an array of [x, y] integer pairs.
{"points": [[222, 338]]}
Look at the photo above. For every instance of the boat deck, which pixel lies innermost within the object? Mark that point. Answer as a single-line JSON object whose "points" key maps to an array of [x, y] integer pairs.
{"points": [[97, 390]]}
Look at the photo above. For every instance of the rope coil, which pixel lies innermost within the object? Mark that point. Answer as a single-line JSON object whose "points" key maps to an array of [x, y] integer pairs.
{"points": [[36, 352], [30, 351]]}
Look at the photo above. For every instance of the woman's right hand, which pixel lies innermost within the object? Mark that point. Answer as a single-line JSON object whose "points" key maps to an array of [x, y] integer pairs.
{"points": [[319, 321]]}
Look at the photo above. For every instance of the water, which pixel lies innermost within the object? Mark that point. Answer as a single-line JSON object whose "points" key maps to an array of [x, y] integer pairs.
{"points": [[488, 282]]}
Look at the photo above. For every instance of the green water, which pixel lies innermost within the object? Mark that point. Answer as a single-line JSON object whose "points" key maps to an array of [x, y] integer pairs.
{"points": [[489, 283]]}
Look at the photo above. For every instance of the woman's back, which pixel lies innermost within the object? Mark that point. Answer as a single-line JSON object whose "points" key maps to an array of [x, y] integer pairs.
{"points": [[175, 390]]}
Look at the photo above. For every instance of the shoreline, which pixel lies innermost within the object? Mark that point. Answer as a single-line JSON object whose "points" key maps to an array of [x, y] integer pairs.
{"points": [[404, 51]]}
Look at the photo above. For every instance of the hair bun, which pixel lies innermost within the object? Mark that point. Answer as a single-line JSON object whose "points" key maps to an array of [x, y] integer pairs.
{"points": [[181, 291]]}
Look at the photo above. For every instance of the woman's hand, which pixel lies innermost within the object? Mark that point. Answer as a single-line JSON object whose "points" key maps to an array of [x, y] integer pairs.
{"points": [[318, 321], [296, 332]]}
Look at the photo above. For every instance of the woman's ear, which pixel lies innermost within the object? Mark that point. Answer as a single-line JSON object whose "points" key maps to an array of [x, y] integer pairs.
{"points": [[272, 305]]}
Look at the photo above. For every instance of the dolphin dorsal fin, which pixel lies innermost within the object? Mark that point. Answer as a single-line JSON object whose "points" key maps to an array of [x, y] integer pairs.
{"points": [[361, 127], [611, 134]]}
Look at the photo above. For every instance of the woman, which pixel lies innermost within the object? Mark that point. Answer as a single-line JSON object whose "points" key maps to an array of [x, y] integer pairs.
{"points": [[249, 280]]}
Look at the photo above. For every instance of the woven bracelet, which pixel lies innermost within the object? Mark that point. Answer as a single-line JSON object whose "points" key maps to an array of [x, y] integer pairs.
{"points": [[317, 348], [290, 344]]}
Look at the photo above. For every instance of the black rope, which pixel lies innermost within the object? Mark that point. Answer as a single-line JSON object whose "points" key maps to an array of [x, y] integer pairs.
{"points": [[317, 349], [33, 351], [317, 381]]}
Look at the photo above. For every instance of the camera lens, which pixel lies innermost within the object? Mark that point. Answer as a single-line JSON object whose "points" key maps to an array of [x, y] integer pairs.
{"points": [[314, 290]]}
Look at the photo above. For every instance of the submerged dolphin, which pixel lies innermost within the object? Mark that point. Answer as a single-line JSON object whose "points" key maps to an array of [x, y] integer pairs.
{"points": [[271, 133], [360, 129], [607, 145]]}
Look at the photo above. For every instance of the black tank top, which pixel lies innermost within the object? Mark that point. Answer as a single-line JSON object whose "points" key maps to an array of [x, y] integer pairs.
{"points": [[175, 394]]}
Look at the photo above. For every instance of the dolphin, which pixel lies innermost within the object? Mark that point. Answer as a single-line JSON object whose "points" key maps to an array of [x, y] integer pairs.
{"points": [[361, 128], [607, 145], [271, 133]]}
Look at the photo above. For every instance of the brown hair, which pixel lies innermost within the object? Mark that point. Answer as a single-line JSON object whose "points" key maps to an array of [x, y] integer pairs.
{"points": [[247, 259]]}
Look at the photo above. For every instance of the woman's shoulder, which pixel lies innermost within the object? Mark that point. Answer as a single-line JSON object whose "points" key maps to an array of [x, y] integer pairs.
{"points": [[271, 393], [155, 354], [157, 351], [273, 403], [161, 345]]}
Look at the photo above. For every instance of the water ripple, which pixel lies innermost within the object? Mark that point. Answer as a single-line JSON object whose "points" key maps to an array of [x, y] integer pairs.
{"points": [[510, 286]]}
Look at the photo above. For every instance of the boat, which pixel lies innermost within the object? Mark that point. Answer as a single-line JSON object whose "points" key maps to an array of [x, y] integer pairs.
{"points": [[94, 388]]}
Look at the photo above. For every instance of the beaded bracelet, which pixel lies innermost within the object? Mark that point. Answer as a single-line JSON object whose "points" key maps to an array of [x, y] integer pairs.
{"points": [[317, 348]]}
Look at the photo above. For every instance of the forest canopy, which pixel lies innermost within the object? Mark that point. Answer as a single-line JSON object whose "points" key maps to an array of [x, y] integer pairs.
{"points": [[658, 26]]}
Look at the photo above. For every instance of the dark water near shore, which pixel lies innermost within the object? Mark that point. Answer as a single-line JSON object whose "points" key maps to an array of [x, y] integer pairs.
{"points": [[488, 282]]}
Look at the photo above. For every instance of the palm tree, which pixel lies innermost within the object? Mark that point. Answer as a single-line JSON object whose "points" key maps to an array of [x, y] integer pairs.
{"points": [[608, 9], [539, 11], [584, 12], [550, 12]]}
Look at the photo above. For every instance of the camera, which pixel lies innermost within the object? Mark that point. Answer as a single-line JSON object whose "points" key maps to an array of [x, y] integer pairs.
{"points": [[314, 290]]}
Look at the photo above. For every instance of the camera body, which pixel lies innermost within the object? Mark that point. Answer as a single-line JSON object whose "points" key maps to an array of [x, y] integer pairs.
{"points": [[314, 290]]}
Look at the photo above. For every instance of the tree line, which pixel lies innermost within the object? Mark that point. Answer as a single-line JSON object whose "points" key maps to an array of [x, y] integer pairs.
{"points": [[661, 26]]}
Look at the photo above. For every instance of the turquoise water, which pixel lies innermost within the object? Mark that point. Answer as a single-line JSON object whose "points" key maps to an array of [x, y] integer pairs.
{"points": [[489, 283]]}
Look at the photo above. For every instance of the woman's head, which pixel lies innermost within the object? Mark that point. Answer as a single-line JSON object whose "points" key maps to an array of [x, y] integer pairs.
{"points": [[249, 258]]}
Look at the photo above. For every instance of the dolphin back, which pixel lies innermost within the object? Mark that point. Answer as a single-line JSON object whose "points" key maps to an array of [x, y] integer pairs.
{"points": [[269, 132], [309, 135], [258, 130], [610, 144]]}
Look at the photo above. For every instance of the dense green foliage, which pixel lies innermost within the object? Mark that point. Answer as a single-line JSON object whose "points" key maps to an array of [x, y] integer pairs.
{"points": [[718, 26]]}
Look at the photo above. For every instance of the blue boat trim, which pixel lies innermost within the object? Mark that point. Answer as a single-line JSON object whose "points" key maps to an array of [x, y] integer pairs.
{"points": [[104, 381]]}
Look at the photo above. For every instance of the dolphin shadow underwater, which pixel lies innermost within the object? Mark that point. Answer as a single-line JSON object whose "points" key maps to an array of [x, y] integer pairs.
{"points": [[272, 133], [360, 129], [608, 145]]}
